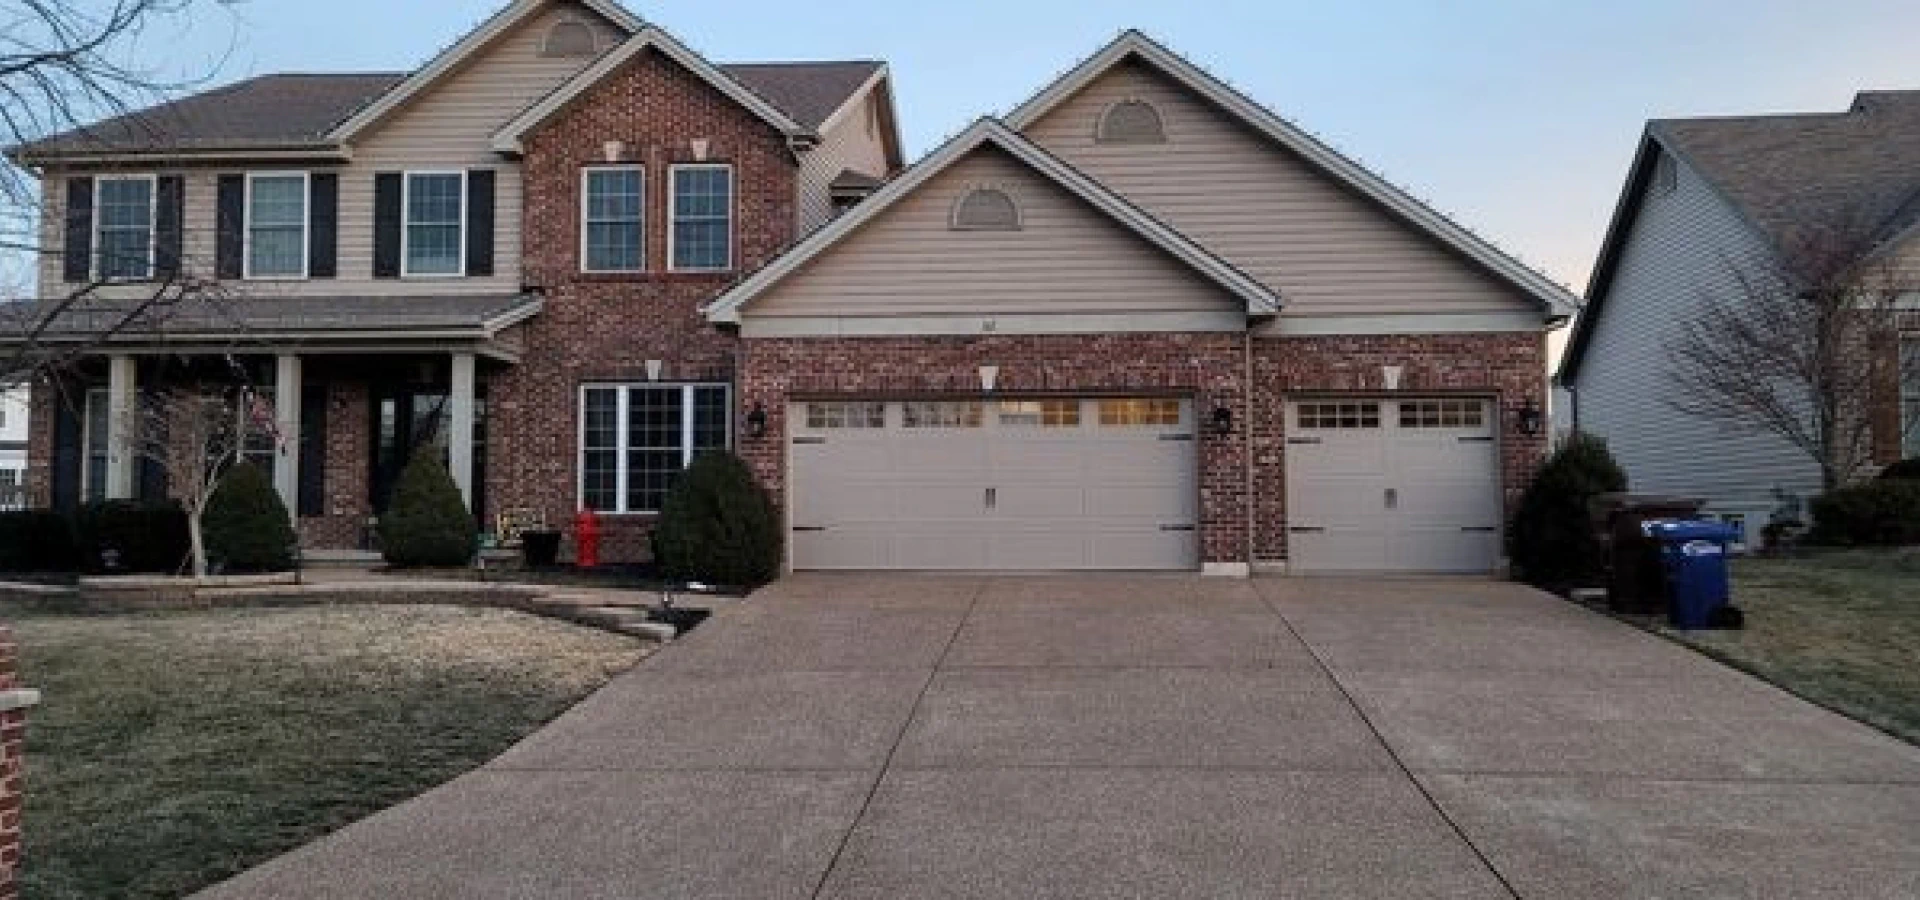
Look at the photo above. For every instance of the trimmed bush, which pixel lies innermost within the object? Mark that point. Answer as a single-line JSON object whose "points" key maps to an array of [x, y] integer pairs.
{"points": [[426, 523], [246, 526], [148, 538], [37, 540], [1907, 469], [717, 525], [1871, 513], [1551, 539]]}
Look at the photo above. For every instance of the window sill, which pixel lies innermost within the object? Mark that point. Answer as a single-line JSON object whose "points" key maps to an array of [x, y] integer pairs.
{"points": [[642, 277]]}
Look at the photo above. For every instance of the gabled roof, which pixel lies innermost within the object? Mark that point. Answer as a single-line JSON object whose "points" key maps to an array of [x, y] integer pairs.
{"points": [[1556, 301], [270, 112], [809, 91], [202, 317], [507, 139], [1259, 299], [1855, 170], [449, 59]]}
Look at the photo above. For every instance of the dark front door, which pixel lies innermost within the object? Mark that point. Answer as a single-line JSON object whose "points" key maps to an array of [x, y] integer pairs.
{"points": [[413, 419]]}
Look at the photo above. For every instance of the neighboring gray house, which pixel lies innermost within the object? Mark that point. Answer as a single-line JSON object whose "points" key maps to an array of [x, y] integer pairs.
{"points": [[1704, 198]]}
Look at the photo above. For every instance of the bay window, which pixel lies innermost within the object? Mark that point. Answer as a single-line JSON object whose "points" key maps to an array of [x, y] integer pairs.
{"points": [[636, 438]]}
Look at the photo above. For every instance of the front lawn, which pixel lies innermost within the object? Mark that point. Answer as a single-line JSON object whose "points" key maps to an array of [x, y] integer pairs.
{"points": [[1839, 628], [175, 749]]}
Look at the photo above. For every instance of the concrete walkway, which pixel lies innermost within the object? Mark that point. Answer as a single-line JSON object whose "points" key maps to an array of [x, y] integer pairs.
{"points": [[888, 737]]}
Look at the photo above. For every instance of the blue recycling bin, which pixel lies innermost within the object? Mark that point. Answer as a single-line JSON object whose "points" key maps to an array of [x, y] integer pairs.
{"points": [[1694, 554]]}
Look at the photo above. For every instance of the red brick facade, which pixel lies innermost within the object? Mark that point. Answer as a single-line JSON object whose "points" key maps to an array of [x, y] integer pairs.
{"points": [[13, 741]]}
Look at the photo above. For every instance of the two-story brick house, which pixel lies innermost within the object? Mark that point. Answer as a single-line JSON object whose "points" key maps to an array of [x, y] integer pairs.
{"points": [[469, 256]]}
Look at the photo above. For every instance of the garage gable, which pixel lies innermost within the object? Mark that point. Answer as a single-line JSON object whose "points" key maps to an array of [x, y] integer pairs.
{"points": [[988, 234]]}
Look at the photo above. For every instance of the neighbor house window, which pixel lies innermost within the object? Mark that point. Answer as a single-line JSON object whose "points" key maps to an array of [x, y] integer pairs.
{"points": [[1130, 122], [612, 219], [700, 227], [123, 223], [1910, 398], [435, 223], [277, 226], [636, 439], [986, 209]]}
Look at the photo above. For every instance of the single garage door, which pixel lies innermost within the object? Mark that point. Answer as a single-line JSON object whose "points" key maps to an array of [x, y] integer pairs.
{"points": [[1056, 483], [1393, 485]]}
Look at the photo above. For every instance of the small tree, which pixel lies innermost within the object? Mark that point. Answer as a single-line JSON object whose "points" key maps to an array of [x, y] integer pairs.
{"points": [[1551, 540], [194, 434], [717, 525], [426, 522], [247, 527]]}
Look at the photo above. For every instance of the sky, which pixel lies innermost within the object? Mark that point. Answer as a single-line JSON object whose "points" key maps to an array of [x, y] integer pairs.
{"points": [[1516, 117]]}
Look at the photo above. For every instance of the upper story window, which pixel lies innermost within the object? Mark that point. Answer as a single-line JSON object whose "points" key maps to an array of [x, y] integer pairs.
{"points": [[700, 227], [1130, 122], [569, 37], [435, 237], [613, 200], [123, 224], [277, 225], [986, 209]]}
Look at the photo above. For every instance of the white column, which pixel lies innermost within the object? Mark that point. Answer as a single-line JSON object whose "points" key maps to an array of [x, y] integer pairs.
{"points": [[460, 426], [122, 446], [286, 421]]}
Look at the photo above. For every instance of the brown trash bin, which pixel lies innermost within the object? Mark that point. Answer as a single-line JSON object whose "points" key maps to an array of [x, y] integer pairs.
{"points": [[1636, 580]]}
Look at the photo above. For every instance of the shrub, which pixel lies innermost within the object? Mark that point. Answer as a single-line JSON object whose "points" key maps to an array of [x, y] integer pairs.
{"points": [[717, 525], [1870, 513], [246, 526], [139, 536], [1551, 540], [37, 540], [1906, 469], [426, 523]]}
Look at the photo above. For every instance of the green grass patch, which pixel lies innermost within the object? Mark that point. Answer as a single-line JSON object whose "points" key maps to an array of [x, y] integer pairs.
{"points": [[173, 750], [1839, 628]]}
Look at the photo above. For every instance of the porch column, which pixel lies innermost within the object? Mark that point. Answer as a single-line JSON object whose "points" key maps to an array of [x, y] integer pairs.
{"points": [[286, 423], [122, 446], [460, 401]]}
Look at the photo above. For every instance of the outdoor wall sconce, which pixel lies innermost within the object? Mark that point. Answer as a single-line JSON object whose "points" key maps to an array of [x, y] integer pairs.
{"points": [[1222, 421], [757, 422], [1530, 418]]}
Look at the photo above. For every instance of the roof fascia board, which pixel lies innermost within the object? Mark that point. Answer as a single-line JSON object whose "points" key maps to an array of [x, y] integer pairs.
{"points": [[1259, 299], [451, 58], [209, 155], [1556, 301], [508, 138]]}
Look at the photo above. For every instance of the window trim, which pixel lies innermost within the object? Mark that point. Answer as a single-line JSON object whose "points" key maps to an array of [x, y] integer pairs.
{"points": [[406, 223], [622, 406], [673, 213], [586, 175], [153, 226], [306, 225]]}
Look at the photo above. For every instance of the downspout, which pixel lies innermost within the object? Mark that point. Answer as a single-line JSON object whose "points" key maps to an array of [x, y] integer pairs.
{"points": [[1246, 393]]}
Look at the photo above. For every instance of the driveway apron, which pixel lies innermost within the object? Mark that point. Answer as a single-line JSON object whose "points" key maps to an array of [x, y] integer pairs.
{"points": [[878, 736]]}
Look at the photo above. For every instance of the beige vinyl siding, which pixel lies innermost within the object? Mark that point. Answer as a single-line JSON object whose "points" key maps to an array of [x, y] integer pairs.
{"points": [[447, 127], [1328, 250], [1067, 259], [855, 142]]}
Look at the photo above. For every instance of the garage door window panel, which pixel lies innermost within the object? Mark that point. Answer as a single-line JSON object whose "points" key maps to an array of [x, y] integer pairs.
{"points": [[941, 414], [832, 415], [1442, 414], [636, 439], [1161, 412], [1039, 413], [1337, 415]]}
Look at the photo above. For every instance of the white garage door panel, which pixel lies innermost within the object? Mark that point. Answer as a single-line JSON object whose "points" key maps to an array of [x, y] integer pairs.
{"points": [[1074, 493], [1392, 484]]}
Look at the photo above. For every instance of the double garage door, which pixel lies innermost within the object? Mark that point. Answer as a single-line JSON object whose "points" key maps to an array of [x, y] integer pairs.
{"points": [[1056, 483]]}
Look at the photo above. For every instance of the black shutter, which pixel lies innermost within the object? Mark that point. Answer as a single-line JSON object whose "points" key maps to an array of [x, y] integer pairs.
{"points": [[66, 448], [231, 220], [480, 222], [386, 225], [323, 227], [313, 450], [77, 264], [170, 193]]}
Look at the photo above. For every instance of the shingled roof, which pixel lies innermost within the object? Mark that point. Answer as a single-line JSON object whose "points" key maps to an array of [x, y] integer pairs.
{"points": [[807, 91]]}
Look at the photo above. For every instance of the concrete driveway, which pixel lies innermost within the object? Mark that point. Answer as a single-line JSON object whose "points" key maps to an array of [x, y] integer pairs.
{"points": [[1105, 736]]}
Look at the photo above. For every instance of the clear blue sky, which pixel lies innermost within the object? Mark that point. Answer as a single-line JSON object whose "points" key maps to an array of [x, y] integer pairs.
{"points": [[1518, 117]]}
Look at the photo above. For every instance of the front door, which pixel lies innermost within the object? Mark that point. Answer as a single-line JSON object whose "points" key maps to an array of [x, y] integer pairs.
{"points": [[409, 420]]}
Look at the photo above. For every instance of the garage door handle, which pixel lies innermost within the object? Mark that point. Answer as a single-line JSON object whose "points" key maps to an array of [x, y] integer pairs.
{"points": [[1483, 529], [1176, 437], [1393, 498], [809, 527], [1307, 529], [993, 497], [1303, 440], [1176, 528], [809, 440], [1477, 439]]}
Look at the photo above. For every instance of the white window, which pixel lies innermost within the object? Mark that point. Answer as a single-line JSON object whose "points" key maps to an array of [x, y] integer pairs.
{"points": [[123, 209], [700, 222], [636, 438], [612, 219], [435, 241], [277, 225], [986, 209], [1910, 397]]}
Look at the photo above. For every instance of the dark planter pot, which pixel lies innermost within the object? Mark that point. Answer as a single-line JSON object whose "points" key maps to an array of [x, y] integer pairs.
{"points": [[541, 549]]}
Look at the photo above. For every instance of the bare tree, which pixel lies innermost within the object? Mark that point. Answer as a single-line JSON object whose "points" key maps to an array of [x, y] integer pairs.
{"points": [[1804, 348], [194, 433]]}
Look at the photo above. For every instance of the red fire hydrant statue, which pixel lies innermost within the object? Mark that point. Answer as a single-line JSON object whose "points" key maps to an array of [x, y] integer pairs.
{"points": [[586, 539]]}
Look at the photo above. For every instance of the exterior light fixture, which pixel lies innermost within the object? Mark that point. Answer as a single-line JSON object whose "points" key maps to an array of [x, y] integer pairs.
{"points": [[1530, 419], [1222, 421], [757, 422]]}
